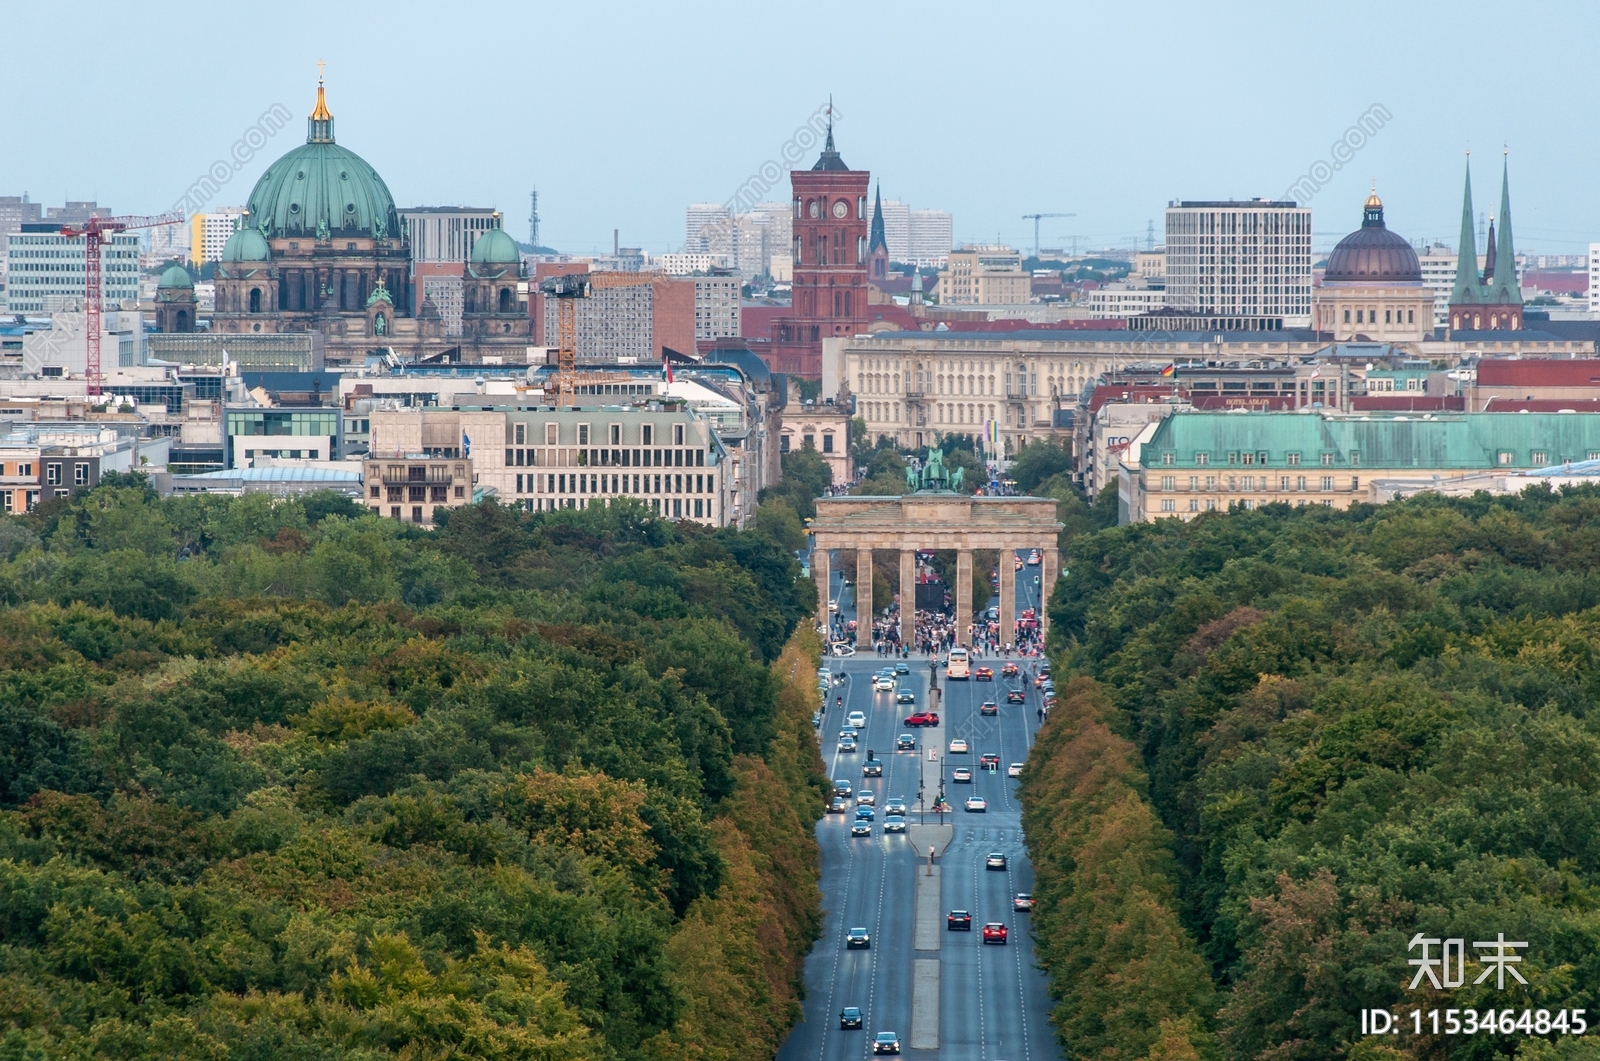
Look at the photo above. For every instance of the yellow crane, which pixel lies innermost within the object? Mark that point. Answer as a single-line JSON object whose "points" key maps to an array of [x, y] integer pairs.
{"points": [[566, 290]]}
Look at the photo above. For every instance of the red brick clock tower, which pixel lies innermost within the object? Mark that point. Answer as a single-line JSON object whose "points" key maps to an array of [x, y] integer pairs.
{"points": [[830, 263]]}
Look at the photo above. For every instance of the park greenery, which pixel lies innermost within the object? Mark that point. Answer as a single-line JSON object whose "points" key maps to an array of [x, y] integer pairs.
{"points": [[1288, 740], [280, 779]]}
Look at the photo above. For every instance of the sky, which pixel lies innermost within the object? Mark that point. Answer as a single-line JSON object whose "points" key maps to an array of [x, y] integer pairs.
{"points": [[623, 114]]}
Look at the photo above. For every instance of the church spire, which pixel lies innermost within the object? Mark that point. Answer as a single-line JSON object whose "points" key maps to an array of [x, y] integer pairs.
{"points": [[1466, 290], [319, 127], [830, 159], [878, 239], [1488, 254], [1504, 289]]}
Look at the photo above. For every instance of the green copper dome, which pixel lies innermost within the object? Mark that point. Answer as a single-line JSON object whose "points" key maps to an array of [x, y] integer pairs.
{"points": [[322, 191], [494, 247], [175, 276], [246, 245]]}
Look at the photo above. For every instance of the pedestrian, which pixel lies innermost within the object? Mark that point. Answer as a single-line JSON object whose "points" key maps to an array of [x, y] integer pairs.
{"points": [[1041, 714]]}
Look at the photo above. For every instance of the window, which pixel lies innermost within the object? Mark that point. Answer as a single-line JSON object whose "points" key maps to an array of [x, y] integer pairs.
{"points": [[552, 434], [1283, 482], [1355, 483], [521, 434], [1505, 458], [783, 444], [1248, 458], [1327, 460], [1299, 482], [1355, 458], [1167, 483], [1327, 482], [1541, 457], [1292, 459], [80, 473], [1347, 316], [1233, 458], [1202, 458], [1194, 482], [677, 434], [1169, 458], [827, 442], [1194, 504], [583, 434], [52, 474], [1168, 505], [616, 434]]}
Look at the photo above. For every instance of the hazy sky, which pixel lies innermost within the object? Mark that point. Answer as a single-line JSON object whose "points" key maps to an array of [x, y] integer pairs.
{"points": [[623, 114]]}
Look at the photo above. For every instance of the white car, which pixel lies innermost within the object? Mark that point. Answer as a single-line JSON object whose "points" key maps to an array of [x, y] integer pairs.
{"points": [[866, 798], [833, 606], [958, 747], [843, 648], [894, 824], [856, 720], [1014, 770], [977, 804], [883, 684], [1034, 558]]}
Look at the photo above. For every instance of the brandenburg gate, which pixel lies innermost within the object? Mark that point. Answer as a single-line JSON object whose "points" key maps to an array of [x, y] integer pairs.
{"points": [[933, 517]]}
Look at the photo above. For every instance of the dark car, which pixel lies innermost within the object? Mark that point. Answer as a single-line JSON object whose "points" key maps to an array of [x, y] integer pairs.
{"points": [[838, 805], [989, 760], [995, 860], [1016, 696], [905, 696], [989, 707], [922, 718], [857, 938], [905, 743], [842, 787], [902, 668], [860, 828], [872, 768], [886, 1043], [958, 921], [850, 1017], [863, 814]]}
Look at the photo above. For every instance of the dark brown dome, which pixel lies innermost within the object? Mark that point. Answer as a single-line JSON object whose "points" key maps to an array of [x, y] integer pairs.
{"points": [[1373, 253]]}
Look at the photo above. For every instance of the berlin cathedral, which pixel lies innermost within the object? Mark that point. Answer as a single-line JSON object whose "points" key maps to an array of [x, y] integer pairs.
{"points": [[322, 248]]}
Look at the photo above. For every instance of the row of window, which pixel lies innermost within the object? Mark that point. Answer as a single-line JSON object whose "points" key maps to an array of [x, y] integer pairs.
{"points": [[522, 434], [1169, 483], [1372, 316], [1169, 505], [587, 483], [596, 458], [1504, 458], [674, 508], [55, 472]]}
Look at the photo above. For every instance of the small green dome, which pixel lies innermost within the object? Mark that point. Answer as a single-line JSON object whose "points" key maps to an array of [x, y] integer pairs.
{"points": [[246, 245], [494, 247], [175, 276]]}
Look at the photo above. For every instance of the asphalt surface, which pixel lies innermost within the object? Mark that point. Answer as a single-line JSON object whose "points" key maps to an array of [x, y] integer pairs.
{"points": [[993, 1000]]}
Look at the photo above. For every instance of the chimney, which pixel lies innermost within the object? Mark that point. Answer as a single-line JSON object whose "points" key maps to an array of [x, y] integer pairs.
{"points": [[614, 248]]}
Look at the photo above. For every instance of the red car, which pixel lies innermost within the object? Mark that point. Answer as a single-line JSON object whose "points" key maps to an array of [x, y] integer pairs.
{"points": [[1010, 670], [984, 674], [994, 932], [922, 718]]}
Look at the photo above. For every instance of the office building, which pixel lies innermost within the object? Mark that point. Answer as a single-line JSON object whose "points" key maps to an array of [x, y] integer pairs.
{"points": [[43, 265], [984, 275], [929, 237], [717, 300], [700, 216], [1124, 299], [629, 325], [1237, 266], [210, 232]]}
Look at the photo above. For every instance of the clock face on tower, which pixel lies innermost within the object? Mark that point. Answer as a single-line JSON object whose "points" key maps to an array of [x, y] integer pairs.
{"points": [[815, 211], [840, 209]]}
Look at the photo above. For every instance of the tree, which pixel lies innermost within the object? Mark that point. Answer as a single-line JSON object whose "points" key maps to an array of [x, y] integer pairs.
{"points": [[1041, 460], [777, 521]]}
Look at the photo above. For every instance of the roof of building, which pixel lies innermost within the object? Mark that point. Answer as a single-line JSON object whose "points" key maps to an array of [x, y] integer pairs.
{"points": [[297, 474], [878, 237], [1073, 331], [247, 244], [1539, 372], [1542, 405], [320, 187], [1373, 253], [495, 247], [175, 276], [829, 159], [741, 357], [1427, 441]]}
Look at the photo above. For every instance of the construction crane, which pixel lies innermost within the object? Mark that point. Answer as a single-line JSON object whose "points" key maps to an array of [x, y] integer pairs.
{"points": [[1035, 219], [92, 232], [566, 290]]}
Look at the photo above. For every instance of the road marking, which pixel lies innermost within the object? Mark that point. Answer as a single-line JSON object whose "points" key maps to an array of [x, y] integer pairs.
{"points": [[983, 1036], [1022, 991]]}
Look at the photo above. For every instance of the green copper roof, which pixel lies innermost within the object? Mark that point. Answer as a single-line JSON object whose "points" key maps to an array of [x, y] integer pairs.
{"points": [[1503, 287], [175, 276], [1379, 444], [247, 244], [494, 247], [323, 191], [1466, 289], [878, 238]]}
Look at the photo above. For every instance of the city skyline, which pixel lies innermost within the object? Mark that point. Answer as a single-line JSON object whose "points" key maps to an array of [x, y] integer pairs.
{"points": [[649, 145]]}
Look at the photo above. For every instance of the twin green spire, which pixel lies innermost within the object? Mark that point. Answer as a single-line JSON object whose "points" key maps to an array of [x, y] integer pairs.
{"points": [[1500, 287]]}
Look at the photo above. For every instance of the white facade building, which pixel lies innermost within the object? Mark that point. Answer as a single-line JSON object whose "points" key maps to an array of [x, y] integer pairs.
{"points": [[931, 235], [687, 264], [1119, 300], [41, 265], [699, 216], [445, 233], [897, 229], [1246, 260], [209, 232], [1594, 278], [717, 298]]}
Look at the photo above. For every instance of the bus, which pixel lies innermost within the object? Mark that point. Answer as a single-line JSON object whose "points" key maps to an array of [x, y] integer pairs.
{"points": [[957, 669]]}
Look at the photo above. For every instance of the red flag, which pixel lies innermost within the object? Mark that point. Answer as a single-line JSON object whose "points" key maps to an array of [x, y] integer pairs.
{"points": [[666, 366]]}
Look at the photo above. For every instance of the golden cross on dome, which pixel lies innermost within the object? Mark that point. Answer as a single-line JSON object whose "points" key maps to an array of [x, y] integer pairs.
{"points": [[320, 65]]}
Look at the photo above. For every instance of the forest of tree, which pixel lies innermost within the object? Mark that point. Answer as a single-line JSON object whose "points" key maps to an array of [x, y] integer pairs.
{"points": [[1290, 739], [283, 780]]}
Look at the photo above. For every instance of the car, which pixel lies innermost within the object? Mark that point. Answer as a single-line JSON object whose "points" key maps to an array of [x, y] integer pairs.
{"points": [[843, 649], [902, 668], [882, 683], [850, 1017], [886, 1043], [1034, 558], [1039, 680], [842, 787], [837, 805], [984, 674], [958, 921], [989, 759], [1010, 670], [994, 932], [995, 860], [866, 798], [1022, 902], [856, 720], [922, 718], [958, 747], [860, 828], [977, 804], [895, 806], [989, 707], [816, 720], [1016, 696], [849, 731], [962, 775], [833, 606], [857, 938], [864, 814], [905, 696], [872, 768], [894, 823], [905, 743], [847, 744], [1014, 770]]}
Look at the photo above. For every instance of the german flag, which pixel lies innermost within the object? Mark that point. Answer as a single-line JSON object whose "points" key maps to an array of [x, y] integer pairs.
{"points": [[1169, 371]]}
